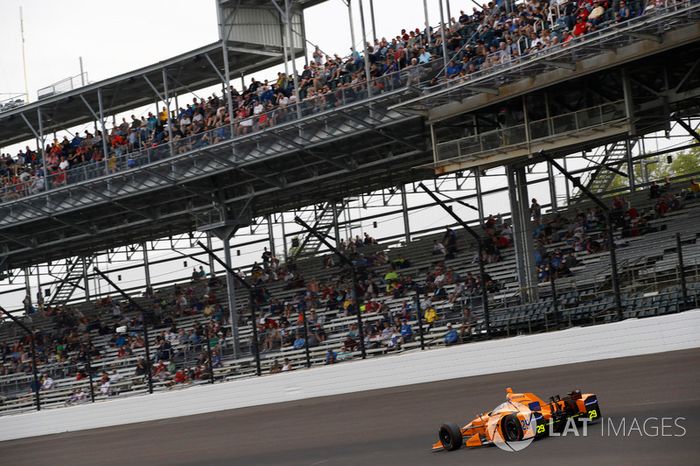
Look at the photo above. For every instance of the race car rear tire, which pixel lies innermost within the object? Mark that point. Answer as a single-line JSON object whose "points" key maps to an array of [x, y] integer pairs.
{"points": [[451, 437], [511, 428]]}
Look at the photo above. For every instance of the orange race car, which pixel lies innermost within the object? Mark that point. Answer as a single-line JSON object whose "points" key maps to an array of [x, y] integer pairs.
{"points": [[523, 418]]}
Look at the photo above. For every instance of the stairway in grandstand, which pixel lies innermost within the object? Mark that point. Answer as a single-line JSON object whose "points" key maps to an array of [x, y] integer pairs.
{"points": [[321, 218], [71, 278], [599, 178]]}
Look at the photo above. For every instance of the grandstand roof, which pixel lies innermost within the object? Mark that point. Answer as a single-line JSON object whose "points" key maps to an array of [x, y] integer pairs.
{"points": [[186, 72]]}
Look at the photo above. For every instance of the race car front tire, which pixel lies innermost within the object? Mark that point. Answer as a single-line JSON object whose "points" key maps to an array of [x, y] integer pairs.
{"points": [[511, 428], [451, 437]]}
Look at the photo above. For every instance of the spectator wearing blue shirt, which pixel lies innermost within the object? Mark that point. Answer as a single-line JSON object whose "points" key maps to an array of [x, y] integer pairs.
{"points": [[299, 342], [331, 356], [451, 337], [453, 69], [406, 331]]}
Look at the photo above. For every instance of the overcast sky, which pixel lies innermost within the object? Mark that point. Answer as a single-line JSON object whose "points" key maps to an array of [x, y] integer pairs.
{"points": [[116, 37]]}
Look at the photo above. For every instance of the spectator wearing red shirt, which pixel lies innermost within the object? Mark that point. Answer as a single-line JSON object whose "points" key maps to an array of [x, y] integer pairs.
{"points": [[579, 27]]}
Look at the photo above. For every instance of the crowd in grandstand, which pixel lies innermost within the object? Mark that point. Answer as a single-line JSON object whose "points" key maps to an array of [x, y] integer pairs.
{"points": [[180, 353], [489, 37]]}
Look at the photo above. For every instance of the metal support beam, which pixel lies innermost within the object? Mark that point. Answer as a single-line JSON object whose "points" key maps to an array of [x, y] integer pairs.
{"points": [[42, 140], [688, 128], [611, 237], [445, 56], [252, 292], [105, 137], [353, 271], [295, 75], [365, 54], [146, 265], [171, 143], [371, 15], [522, 232], [86, 280], [231, 294], [406, 222], [552, 188], [271, 234], [479, 198], [352, 27], [477, 239], [144, 318]]}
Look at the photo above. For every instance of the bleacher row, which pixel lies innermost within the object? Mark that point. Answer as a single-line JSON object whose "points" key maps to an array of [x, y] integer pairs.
{"points": [[583, 299]]}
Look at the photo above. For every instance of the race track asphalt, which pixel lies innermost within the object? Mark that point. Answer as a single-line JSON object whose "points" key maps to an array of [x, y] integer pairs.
{"points": [[397, 426]]}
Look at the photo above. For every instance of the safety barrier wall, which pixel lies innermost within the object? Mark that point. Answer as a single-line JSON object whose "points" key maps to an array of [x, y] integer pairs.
{"points": [[628, 338]]}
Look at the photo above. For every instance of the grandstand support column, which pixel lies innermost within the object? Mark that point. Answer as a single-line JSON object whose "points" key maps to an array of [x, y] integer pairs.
{"points": [[566, 184], [630, 165], [552, 188], [365, 51], [295, 77], [629, 111], [479, 248], [43, 148], [146, 265], [284, 237], [336, 226], [443, 38], [101, 113], [27, 285], [427, 21], [522, 232], [39, 141], [227, 84], [166, 99], [86, 279], [271, 235], [352, 26], [371, 16], [404, 211], [479, 200], [211, 260]]}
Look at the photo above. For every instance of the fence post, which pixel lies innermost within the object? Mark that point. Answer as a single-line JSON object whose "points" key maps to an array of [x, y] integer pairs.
{"points": [[89, 371], [211, 362], [681, 268], [420, 319]]}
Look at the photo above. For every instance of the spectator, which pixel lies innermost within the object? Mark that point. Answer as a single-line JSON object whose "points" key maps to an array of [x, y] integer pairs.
{"points": [[536, 212], [331, 356], [451, 336], [287, 366]]}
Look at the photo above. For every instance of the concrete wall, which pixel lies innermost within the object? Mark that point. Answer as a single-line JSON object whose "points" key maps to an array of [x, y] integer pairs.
{"points": [[628, 338]]}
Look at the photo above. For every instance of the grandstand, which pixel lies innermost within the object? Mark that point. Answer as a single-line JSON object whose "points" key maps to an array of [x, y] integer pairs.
{"points": [[325, 142]]}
